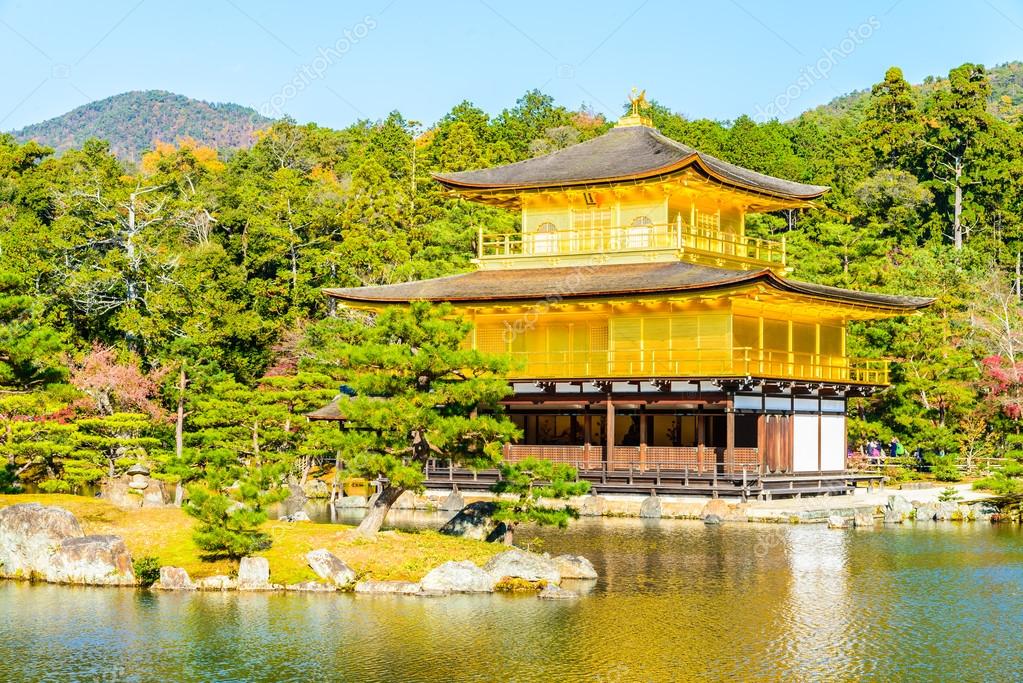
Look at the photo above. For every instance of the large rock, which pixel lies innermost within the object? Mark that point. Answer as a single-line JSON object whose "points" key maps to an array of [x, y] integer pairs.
{"points": [[898, 510], [476, 521], [650, 508], [715, 506], [91, 561], [29, 536], [218, 582], [388, 587], [174, 579], [351, 503], [329, 567], [574, 567], [254, 574], [134, 491], [458, 577], [311, 587], [518, 564], [316, 488], [982, 512], [453, 503], [946, 511], [837, 522], [926, 512], [863, 518], [592, 506]]}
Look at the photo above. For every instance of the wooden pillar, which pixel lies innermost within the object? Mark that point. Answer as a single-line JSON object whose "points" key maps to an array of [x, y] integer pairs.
{"points": [[609, 433], [587, 435], [700, 438], [730, 437], [642, 439], [761, 442]]}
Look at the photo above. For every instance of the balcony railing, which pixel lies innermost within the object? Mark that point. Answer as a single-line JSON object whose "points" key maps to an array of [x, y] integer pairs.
{"points": [[678, 237], [738, 362]]}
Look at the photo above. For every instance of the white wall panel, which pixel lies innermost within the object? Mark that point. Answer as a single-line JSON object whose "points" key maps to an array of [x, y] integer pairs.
{"points": [[804, 451], [833, 442]]}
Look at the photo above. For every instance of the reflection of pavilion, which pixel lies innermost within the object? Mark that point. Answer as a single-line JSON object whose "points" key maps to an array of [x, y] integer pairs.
{"points": [[658, 344]]}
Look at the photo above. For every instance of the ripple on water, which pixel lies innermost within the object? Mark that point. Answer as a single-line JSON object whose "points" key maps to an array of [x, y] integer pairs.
{"points": [[675, 601]]}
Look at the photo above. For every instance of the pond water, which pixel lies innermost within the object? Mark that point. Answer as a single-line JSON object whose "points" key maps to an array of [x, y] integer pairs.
{"points": [[676, 601]]}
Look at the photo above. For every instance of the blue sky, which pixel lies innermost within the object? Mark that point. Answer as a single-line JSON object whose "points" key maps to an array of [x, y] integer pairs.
{"points": [[336, 62]]}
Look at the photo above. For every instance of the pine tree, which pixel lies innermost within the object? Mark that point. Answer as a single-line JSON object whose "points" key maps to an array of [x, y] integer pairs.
{"points": [[420, 395]]}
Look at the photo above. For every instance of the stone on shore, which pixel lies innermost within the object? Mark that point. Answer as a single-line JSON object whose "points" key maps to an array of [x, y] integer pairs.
{"points": [[453, 503], [553, 592], [837, 522], [926, 512], [316, 488], [574, 567], [711, 519], [518, 564], [254, 574], [30, 534], [592, 506], [457, 577], [174, 579], [717, 507], [370, 587], [311, 587], [91, 561], [329, 567], [217, 582], [476, 521], [863, 518], [897, 510], [650, 508], [300, 516], [351, 503]]}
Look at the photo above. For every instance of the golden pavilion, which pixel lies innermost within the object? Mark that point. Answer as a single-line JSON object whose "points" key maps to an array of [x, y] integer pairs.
{"points": [[659, 347]]}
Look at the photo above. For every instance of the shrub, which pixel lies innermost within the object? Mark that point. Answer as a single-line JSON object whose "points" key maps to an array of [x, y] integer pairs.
{"points": [[945, 469], [147, 570], [949, 495], [54, 486]]}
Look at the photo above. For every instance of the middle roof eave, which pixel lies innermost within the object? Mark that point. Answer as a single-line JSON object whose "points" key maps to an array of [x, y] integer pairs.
{"points": [[556, 284]]}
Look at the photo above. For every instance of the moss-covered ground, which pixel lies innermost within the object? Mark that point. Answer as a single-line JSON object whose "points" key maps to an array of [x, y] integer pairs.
{"points": [[167, 535]]}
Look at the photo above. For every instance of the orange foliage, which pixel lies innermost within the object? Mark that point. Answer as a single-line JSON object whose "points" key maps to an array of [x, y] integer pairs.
{"points": [[206, 157]]}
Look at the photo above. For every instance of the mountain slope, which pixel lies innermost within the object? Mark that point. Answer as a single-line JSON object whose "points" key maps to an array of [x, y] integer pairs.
{"points": [[132, 121], [1006, 91]]}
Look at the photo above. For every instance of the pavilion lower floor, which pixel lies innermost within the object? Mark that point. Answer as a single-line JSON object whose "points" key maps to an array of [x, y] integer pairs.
{"points": [[701, 440]]}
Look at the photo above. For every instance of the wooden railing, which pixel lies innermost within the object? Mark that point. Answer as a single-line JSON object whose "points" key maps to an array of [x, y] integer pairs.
{"points": [[642, 459], [678, 236], [739, 362]]}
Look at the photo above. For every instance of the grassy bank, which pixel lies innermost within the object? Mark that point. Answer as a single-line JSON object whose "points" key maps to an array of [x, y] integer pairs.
{"points": [[166, 535]]}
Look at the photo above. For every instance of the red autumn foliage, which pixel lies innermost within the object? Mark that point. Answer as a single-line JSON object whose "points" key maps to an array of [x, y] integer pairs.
{"points": [[1003, 381], [112, 386]]}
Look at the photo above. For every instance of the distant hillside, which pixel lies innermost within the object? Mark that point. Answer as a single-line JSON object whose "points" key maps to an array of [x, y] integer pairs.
{"points": [[131, 122], [1006, 89]]}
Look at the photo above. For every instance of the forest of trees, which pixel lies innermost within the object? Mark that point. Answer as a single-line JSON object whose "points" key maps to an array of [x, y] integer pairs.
{"points": [[171, 311]]}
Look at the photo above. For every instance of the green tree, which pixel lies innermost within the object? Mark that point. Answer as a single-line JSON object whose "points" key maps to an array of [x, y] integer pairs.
{"points": [[534, 482], [892, 123], [420, 394]]}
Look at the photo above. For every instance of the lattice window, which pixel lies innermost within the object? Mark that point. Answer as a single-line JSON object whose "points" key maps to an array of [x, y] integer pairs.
{"points": [[491, 339]]}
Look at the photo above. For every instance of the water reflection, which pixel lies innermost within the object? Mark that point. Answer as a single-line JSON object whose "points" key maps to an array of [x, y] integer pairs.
{"points": [[675, 601]]}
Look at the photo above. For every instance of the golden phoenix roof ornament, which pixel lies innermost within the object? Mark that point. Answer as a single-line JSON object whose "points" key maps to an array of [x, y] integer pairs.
{"points": [[635, 116]]}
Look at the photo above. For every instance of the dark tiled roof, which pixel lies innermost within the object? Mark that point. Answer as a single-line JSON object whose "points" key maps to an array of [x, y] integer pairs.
{"points": [[621, 153], [331, 411], [601, 281]]}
